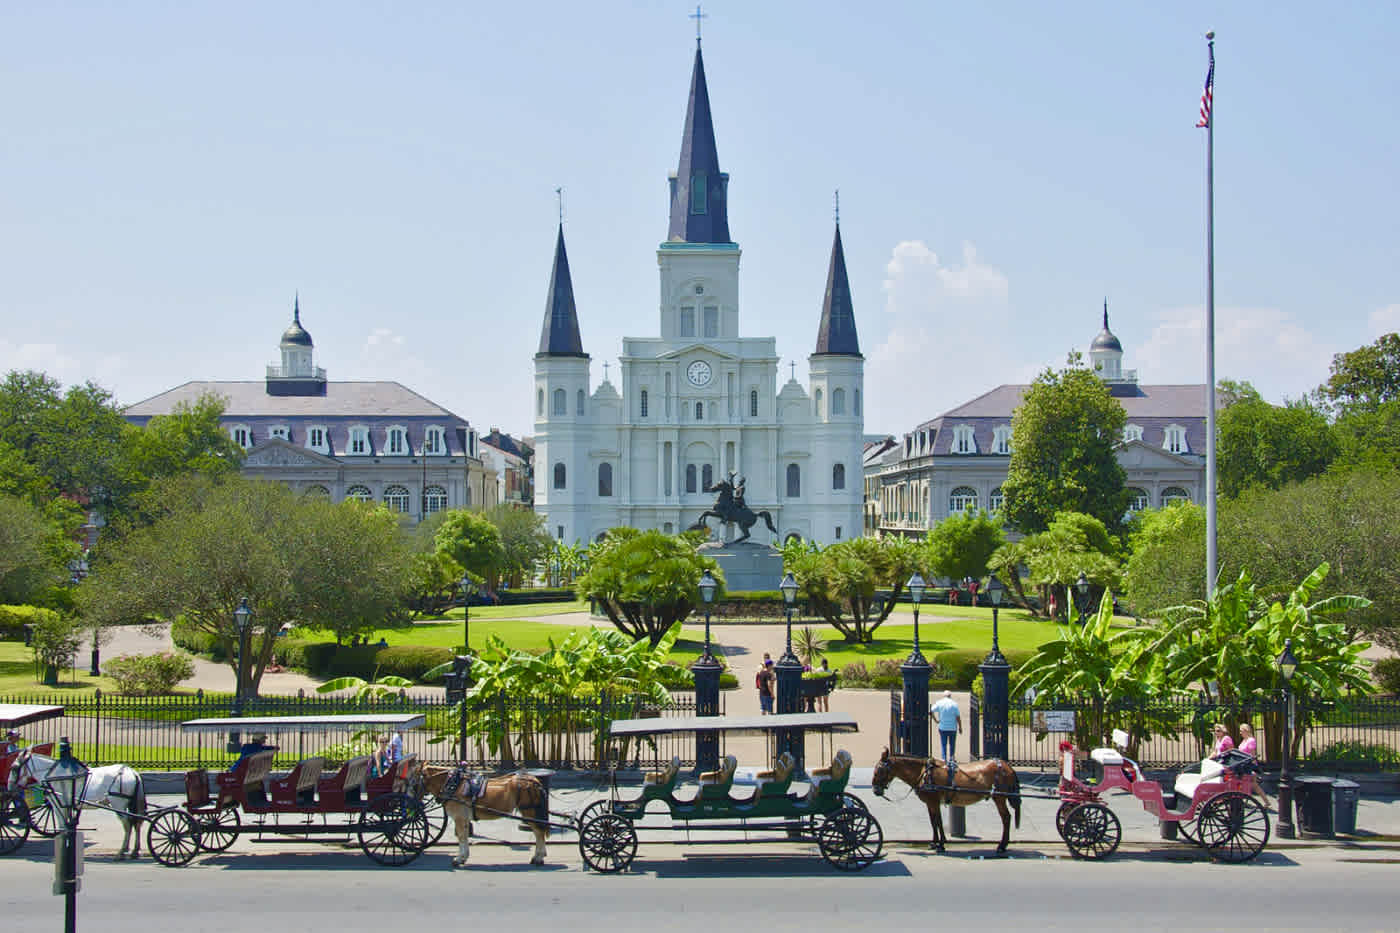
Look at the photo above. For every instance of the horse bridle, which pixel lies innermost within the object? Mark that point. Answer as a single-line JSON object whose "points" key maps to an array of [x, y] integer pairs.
{"points": [[888, 769]]}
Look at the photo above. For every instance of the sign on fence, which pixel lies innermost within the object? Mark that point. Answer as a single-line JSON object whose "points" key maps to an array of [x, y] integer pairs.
{"points": [[1052, 720]]}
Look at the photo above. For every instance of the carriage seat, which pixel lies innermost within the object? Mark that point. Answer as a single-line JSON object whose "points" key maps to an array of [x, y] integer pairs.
{"points": [[395, 780], [775, 783], [45, 749], [245, 783], [344, 790], [298, 789], [1186, 784], [658, 785], [831, 780], [1106, 756], [715, 785]]}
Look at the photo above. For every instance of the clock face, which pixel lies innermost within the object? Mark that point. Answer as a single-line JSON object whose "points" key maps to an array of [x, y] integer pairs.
{"points": [[698, 373]]}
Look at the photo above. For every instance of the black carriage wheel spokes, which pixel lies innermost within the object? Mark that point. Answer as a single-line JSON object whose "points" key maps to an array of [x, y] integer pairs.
{"points": [[596, 808], [436, 815], [1234, 827], [852, 801], [1092, 831], [850, 839], [44, 818], [172, 838], [1189, 831], [1060, 816], [608, 843], [14, 824], [218, 830], [393, 830]]}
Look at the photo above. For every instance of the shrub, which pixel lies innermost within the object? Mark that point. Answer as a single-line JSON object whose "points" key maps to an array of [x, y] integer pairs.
{"points": [[13, 619], [56, 641], [197, 641], [676, 677], [410, 662], [1386, 673], [148, 675], [855, 674], [1359, 753]]}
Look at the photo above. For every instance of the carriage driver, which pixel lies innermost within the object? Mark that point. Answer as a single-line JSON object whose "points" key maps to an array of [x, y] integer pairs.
{"points": [[12, 740], [257, 742]]}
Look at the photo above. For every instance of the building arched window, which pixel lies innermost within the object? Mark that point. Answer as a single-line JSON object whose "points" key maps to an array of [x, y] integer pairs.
{"points": [[838, 401], [644, 403], [817, 403], [690, 477], [794, 480], [561, 402], [396, 498], [838, 472], [359, 494], [605, 479], [1001, 439], [962, 499], [996, 500], [317, 491], [668, 395], [1137, 499], [855, 403], [359, 439], [539, 403], [560, 476], [241, 435], [1175, 494], [668, 529], [434, 499], [753, 403], [699, 411], [707, 477], [580, 401]]}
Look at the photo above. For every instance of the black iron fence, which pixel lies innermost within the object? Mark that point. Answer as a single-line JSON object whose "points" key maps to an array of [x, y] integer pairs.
{"points": [[503, 732]]}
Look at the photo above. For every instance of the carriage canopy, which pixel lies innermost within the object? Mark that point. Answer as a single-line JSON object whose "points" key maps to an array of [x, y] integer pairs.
{"points": [[20, 714]]}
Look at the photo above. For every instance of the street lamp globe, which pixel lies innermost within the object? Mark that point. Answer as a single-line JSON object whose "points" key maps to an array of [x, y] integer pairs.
{"points": [[1287, 663], [916, 586], [708, 585], [995, 590], [242, 616], [67, 781], [789, 588], [1081, 586], [467, 585]]}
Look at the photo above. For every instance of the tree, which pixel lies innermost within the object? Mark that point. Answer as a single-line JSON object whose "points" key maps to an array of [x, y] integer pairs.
{"points": [[55, 641], [188, 440], [1064, 455], [1166, 566], [1365, 378], [1074, 543], [645, 581], [1369, 439], [960, 545], [840, 580], [434, 579], [473, 542], [32, 552], [523, 541], [1265, 445]]}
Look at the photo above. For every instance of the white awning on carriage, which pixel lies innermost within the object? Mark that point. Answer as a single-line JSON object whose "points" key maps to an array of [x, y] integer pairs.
{"points": [[271, 724], [19, 714], [811, 722]]}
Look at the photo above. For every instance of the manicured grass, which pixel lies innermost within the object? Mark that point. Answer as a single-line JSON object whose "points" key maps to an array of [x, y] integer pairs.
{"points": [[519, 634], [521, 611], [17, 675]]}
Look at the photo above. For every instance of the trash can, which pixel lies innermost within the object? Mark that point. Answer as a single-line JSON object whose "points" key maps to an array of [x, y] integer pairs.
{"points": [[1345, 796], [1312, 801]]}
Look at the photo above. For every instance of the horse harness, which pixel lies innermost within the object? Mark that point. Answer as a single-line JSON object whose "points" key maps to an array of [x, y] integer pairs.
{"points": [[926, 781], [462, 779]]}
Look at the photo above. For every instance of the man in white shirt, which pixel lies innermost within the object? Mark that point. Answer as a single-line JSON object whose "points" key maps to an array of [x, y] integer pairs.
{"points": [[949, 724]]}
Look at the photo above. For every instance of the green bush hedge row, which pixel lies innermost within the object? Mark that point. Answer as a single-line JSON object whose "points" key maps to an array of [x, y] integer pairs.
{"points": [[13, 619]]}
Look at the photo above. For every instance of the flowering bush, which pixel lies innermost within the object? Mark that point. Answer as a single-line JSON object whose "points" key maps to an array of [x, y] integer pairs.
{"points": [[148, 675]]}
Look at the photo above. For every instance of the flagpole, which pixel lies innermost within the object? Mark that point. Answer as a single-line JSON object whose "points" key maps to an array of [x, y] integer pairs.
{"points": [[1210, 325]]}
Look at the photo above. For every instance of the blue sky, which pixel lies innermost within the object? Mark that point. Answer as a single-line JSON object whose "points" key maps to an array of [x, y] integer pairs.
{"points": [[171, 174]]}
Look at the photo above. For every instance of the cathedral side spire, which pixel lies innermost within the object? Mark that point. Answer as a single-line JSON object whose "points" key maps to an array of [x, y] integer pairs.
{"points": [[699, 190], [560, 334], [837, 333]]}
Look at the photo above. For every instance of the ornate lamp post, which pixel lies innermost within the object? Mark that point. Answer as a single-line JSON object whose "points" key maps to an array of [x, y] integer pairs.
{"points": [[1287, 664], [996, 689], [915, 671], [67, 782], [789, 671], [1081, 595], [706, 670], [468, 588], [242, 619]]}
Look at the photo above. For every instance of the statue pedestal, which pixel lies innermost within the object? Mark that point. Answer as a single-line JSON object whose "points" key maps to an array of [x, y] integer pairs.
{"points": [[747, 566]]}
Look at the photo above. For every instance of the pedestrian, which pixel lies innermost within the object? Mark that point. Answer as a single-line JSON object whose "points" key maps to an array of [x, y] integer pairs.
{"points": [[764, 683], [1223, 742], [972, 587], [824, 698], [949, 724], [396, 748], [953, 595]]}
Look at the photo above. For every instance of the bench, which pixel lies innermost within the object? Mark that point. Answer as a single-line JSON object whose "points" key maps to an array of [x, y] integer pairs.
{"points": [[395, 780], [659, 785], [344, 790], [1186, 784], [831, 780], [298, 789], [715, 785], [245, 783], [775, 783]]}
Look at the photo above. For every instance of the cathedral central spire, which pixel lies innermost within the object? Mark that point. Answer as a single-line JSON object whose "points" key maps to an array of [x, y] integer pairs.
{"points": [[699, 190]]}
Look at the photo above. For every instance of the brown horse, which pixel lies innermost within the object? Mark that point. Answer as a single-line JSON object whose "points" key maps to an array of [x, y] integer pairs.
{"points": [[974, 781], [500, 797]]}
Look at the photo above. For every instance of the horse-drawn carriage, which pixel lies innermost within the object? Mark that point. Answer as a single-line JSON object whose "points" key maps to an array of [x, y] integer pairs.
{"points": [[848, 837], [18, 788], [386, 813]]}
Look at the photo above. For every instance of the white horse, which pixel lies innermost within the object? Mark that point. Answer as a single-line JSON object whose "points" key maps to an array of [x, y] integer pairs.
{"points": [[117, 787]]}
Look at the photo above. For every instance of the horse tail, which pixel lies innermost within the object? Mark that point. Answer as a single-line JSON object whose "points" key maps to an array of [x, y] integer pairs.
{"points": [[1014, 793], [138, 803]]}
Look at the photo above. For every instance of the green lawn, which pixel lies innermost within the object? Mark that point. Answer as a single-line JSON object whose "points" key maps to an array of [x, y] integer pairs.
{"points": [[525, 610], [519, 634], [17, 674], [895, 639]]}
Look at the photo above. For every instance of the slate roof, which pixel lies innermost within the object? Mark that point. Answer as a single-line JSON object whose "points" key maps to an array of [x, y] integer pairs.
{"points": [[699, 159], [560, 335], [836, 335], [504, 442]]}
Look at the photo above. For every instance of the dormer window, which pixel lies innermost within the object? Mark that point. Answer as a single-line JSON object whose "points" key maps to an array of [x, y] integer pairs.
{"points": [[1132, 432], [396, 441], [1001, 440], [318, 439], [359, 440], [434, 441], [1175, 440], [241, 435], [963, 440]]}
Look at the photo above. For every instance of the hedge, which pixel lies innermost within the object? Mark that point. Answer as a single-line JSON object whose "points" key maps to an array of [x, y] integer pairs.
{"points": [[13, 619]]}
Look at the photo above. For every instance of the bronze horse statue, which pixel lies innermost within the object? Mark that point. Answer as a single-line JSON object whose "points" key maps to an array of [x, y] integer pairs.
{"points": [[730, 507], [973, 781]]}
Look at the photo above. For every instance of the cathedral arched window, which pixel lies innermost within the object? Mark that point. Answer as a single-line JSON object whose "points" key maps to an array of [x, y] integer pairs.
{"points": [[699, 411], [817, 403], [396, 498], [794, 480], [561, 402], [753, 404], [539, 403], [395, 441], [996, 500], [359, 493], [1132, 432], [580, 401], [434, 499], [434, 441], [690, 485], [241, 435], [838, 401], [707, 477], [963, 440], [605, 479], [856, 403], [644, 403], [560, 476], [1175, 439], [838, 474]]}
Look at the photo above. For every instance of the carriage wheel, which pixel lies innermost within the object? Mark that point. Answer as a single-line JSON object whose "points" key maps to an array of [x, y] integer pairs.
{"points": [[852, 801], [172, 837], [1190, 831], [1234, 827], [1092, 831], [1060, 815], [393, 829], [436, 815], [218, 830], [850, 839], [41, 812], [608, 843], [14, 824]]}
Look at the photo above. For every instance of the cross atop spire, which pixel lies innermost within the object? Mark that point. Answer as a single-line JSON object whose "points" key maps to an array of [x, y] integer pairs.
{"points": [[698, 16], [838, 207], [559, 196]]}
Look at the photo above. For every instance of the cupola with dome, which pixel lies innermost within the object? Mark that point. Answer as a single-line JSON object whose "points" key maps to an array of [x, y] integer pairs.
{"points": [[298, 373]]}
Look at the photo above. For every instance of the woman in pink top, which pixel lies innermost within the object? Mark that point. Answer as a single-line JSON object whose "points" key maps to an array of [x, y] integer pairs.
{"points": [[1247, 743], [1223, 742]]}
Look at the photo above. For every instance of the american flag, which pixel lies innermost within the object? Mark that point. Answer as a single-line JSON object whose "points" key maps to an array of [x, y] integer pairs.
{"points": [[1208, 93]]}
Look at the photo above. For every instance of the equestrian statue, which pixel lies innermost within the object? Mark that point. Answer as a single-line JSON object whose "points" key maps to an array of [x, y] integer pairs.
{"points": [[729, 508]]}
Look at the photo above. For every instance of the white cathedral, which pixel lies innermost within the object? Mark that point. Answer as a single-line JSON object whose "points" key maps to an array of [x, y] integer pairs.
{"points": [[700, 400]]}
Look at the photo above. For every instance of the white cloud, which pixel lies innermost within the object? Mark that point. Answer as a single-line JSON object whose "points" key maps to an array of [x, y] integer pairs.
{"points": [[1384, 321], [1265, 346], [42, 357]]}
